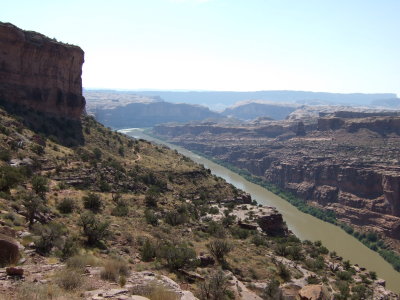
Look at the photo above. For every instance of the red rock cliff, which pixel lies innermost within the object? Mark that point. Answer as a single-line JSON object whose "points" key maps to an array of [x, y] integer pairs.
{"points": [[40, 73]]}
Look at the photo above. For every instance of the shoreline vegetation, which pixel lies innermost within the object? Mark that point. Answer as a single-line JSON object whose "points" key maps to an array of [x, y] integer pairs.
{"points": [[372, 240]]}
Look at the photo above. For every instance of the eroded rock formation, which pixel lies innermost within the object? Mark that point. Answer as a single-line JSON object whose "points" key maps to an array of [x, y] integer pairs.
{"points": [[40, 73], [348, 165]]}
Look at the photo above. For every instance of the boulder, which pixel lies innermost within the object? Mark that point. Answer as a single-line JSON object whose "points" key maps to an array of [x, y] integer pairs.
{"points": [[314, 292], [14, 271], [9, 252]]}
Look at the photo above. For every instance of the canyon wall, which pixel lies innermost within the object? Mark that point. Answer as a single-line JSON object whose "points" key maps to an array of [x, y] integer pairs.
{"points": [[40, 73], [347, 165]]}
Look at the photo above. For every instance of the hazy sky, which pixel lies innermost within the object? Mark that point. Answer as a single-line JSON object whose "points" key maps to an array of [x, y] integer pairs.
{"points": [[315, 45]]}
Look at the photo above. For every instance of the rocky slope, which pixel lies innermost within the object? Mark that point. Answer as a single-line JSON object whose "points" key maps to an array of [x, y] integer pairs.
{"points": [[40, 73], [346, 165]]}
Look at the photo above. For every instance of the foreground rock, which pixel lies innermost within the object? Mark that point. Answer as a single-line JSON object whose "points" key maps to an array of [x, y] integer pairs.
{"points": [[9, 250]]}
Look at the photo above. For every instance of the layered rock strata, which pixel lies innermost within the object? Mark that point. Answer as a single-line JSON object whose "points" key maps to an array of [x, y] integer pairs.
{"points": [[348, 165], [40, 73]]}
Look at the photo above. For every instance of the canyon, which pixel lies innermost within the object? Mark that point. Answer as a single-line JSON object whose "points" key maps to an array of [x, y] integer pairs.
{"points": [[344, 162]]}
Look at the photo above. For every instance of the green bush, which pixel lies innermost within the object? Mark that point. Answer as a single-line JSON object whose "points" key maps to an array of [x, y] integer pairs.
{"points": [[66, 206], [40, 185], [177, 257], [48, 236], [93, 202], [121, 209], [148, 251], [10, 177], [151, 217], [93, 229], [219, 248]]}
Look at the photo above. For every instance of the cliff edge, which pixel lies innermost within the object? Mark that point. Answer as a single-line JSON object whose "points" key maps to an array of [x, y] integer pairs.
{"points": [[40, 73]]}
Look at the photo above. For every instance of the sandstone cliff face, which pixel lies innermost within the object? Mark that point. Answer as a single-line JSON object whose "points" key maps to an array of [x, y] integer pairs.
{"points": [[40, 73], [348, 165]]}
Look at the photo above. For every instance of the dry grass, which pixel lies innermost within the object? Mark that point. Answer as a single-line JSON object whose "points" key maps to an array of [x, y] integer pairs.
{"points": [[81, 261], [69, 280], [154, 291], [30, 291], [113, 269]]}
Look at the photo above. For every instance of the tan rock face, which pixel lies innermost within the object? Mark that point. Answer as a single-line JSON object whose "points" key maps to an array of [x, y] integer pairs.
{"points": [[40, 73]]}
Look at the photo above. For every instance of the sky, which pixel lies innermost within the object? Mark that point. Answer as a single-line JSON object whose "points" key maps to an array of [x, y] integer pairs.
{"points": [[238, 45]]}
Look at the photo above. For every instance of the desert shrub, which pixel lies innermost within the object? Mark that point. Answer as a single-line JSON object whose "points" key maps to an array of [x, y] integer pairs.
{"points": [[92, 202], [177, 257], [344, 275], [121, 208], [48, 236], [148, 251], [81, 261], [5, 155], [69, 280], [228, 220], [70, 248], [259, 240], [272, 291], [113, 268], [66, 206], [93, 229], [219, 248], [214, 287], [40, 185], [151, 198], [176, 217], [97, 153], [240, 233], [154, 292], [312, 279], [33, 291], [213, 210], [283, 272], [33, 205], [295, 252], [216, 229], [151, 217], [10, 177], [372, 275], [281, 249]]}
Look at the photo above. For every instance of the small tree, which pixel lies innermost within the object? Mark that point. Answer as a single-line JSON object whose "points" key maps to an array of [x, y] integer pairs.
{"points": [[215, 287], [93, 229], [92, 202], [40, 186], [66, 206], [33, 205], [219, 248]]}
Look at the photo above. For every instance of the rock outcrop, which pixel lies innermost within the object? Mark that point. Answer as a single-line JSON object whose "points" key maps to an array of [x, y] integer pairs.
{"points": [[40, 73], [9, 250]]}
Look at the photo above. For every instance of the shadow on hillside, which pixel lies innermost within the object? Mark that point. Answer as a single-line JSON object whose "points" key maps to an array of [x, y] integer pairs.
{"points": [[61, 130]]}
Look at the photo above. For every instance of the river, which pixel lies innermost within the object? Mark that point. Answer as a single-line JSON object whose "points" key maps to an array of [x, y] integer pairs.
{"points": [[304, 226]]}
